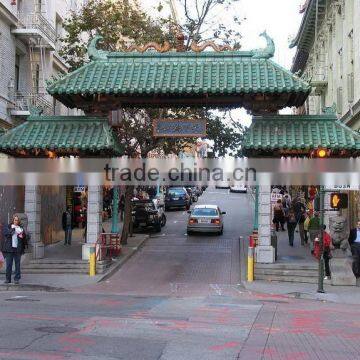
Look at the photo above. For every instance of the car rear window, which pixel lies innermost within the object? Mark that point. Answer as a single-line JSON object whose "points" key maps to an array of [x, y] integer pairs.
{"points": [[176, 192], [205, 212]]}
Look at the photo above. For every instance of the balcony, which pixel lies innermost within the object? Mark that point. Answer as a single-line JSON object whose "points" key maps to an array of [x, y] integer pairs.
{"points": [[24, 103], [36, 26]]}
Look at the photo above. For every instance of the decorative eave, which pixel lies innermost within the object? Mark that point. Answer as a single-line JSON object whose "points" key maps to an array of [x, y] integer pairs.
{"points": [[298, 135], [58, 136], [305, 37], [220, 78]]}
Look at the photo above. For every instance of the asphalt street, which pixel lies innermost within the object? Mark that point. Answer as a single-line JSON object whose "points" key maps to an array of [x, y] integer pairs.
{"points": [[178, 298]]}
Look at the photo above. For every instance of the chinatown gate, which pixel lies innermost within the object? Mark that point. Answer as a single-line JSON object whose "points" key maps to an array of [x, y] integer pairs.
{"points": [[169, 78]]}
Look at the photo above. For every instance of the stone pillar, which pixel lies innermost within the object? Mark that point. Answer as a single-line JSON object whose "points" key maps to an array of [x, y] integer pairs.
{"points": [[94, 219], [33, 213], [265, 253]]}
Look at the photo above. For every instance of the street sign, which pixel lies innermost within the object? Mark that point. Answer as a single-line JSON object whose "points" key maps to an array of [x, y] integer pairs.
{"points": [[179, 128], [339, 201]]}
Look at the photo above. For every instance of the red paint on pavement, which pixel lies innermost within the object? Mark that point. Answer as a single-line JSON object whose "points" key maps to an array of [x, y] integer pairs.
{"points": [[227, 345]]}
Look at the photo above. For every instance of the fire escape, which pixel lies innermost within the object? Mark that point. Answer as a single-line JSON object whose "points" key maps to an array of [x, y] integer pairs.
{"points": [[35, 30]]}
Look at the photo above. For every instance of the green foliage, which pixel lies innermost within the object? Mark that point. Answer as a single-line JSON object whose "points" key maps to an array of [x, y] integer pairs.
{"points": [[116, 20]]}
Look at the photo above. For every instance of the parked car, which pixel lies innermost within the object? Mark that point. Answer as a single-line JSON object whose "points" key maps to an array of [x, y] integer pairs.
{"points": [[238, 188], [177, 197], [222, 185], [147, 213], [205, 218]]}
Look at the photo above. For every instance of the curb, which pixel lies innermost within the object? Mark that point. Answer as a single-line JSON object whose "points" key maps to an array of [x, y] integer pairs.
{"points": [[30, 287], [118, 265]]}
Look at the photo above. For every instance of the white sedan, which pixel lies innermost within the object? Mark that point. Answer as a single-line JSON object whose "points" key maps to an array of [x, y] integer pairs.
{"points": [[238, 188], [206, 218]]}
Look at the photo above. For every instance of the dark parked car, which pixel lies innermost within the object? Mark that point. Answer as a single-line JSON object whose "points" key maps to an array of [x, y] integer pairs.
{"points": [[147, 213], [177, 197]]}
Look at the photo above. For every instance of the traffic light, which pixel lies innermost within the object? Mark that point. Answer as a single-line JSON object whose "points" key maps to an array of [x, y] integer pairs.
{"points": [[338, 201]]}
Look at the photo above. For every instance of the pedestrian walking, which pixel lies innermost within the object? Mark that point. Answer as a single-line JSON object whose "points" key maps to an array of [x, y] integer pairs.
{"points": [[13, 246], [354, 240], [279, 216], [314, 229], [291, 225], [67, 225], [306, 227], [286, 204], [328, 246], [300, 211], [122, 207]]}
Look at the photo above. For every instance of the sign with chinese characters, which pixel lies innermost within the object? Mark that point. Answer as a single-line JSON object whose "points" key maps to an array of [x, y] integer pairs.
{"points": [[179, 128]]}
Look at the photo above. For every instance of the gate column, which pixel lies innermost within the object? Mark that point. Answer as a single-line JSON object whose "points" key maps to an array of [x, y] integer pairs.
{"points": [[265, 253], [33, 213], [94, 219]]}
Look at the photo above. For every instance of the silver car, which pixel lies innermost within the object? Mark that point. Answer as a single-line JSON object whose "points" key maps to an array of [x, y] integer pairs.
{"points": [[206, 218]]}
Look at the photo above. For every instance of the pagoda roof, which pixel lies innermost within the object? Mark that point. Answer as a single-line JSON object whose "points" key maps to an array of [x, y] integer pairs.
{"points": [[299, 135], [57, 136], [215, 79]]}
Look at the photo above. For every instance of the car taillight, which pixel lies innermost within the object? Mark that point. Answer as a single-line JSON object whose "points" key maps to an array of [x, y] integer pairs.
{"points": [[215, 221], [193, 221]]}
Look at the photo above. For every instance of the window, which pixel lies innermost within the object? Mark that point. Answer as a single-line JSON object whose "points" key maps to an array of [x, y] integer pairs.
{"points": [[17, 72], [204, 212], [19, 6]]}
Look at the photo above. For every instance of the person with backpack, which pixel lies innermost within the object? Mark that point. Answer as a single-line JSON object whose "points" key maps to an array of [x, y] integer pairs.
{"points": [[279, 216], [291, 225]]}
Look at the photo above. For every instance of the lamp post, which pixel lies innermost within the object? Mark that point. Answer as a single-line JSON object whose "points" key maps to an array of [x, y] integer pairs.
{"points": [[115, 211]]}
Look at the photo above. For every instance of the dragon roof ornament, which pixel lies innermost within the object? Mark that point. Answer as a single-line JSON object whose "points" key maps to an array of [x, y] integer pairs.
{"points": [[264, 53], [93, 52], [267, 52]]}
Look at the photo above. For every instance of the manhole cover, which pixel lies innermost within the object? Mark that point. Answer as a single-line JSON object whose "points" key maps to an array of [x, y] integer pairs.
{"points": [[56, 329], [21, 298]]}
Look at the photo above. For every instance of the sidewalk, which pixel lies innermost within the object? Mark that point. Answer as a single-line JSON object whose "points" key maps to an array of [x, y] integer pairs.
{"points": [[301, 255], [71, 281]]}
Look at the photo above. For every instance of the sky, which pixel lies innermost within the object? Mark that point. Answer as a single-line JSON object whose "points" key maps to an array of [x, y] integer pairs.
{"points": [[280, 18]]}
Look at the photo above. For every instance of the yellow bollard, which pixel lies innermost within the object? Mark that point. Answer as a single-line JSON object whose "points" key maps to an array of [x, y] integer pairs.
{"points": [[250, 265], [92, 270]]}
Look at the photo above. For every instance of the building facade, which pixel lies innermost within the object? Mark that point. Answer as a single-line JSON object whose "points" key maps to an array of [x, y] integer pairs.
{"points": [[29, 54], [328, 56]]}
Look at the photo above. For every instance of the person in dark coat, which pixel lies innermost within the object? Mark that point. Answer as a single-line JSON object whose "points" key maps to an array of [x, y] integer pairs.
{"points": [[13, 246], [354, 240], [67, 225]]}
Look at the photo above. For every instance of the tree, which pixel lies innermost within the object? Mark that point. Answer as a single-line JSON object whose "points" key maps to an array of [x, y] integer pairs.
{"points": [[120, 22]]}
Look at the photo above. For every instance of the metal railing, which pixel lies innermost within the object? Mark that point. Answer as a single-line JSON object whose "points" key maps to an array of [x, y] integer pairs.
{"points": [[25, 102], [39, 22]]}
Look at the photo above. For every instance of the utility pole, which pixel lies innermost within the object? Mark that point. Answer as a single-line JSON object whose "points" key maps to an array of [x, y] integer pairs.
{"points": [[321, 259]]}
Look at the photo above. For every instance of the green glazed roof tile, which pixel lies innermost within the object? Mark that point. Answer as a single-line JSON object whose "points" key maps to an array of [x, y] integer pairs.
{"points": [[295, 132], [64, 135], [179, 73]]}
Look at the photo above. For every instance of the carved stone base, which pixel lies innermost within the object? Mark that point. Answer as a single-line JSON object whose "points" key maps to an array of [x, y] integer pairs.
{"points": [[341, 269], [38, 250], [265, 254]]}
